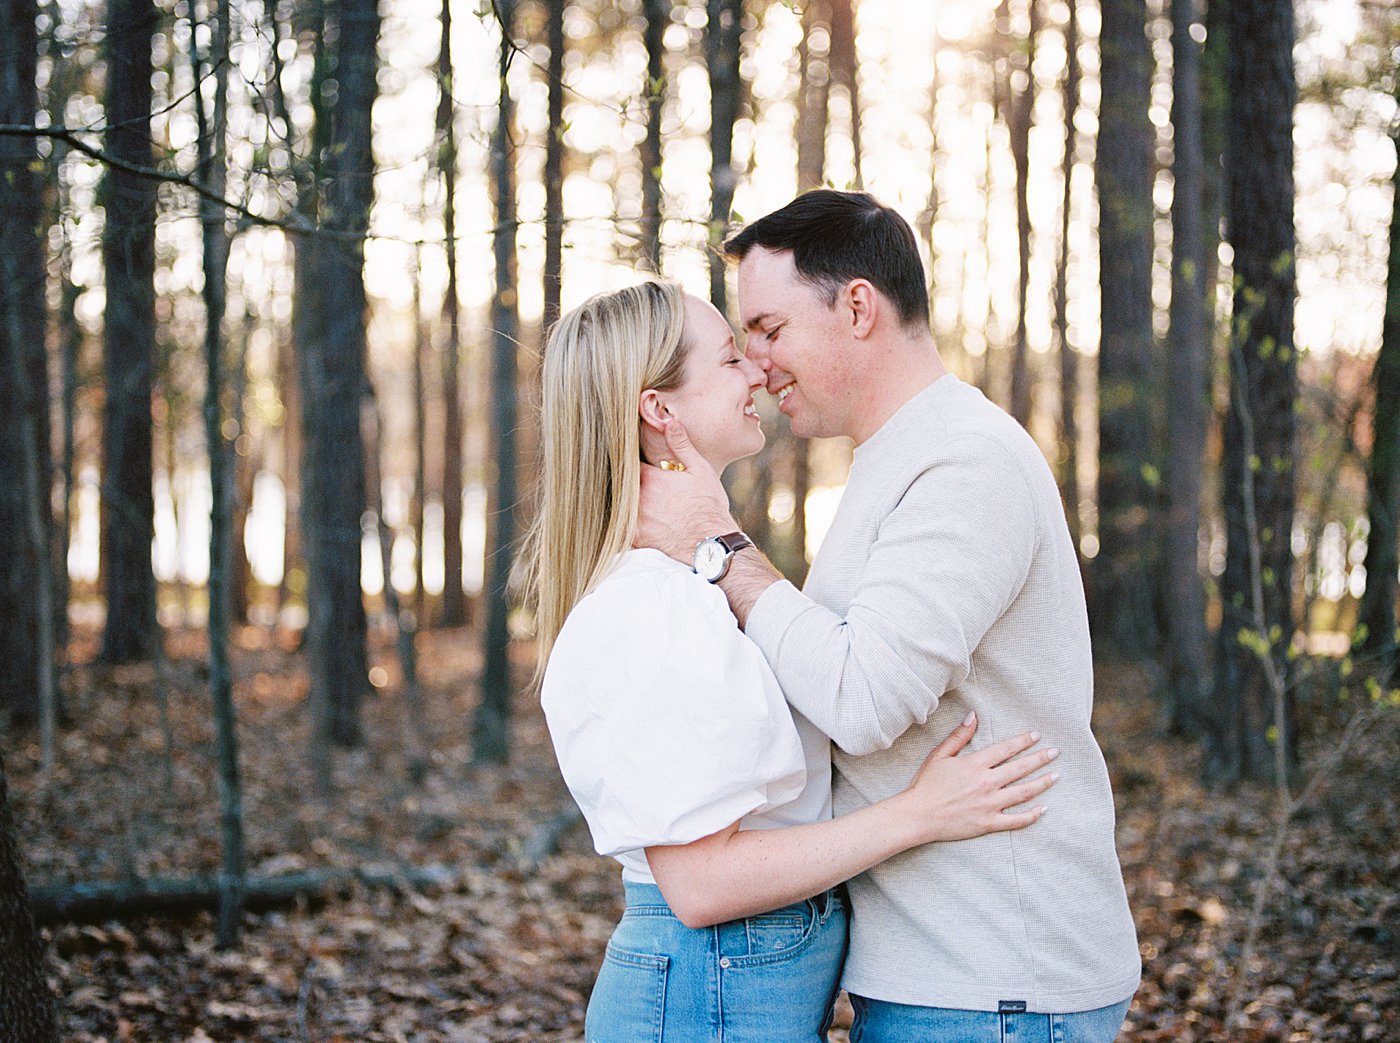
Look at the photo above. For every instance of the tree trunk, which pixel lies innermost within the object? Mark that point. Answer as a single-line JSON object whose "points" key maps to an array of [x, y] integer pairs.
{"points": [[1122, 603], [1069, 358], [844, 71], [658, 17], [420, 448], [1376, 630], [128, 254], [1188, 348], [454, 600], [333, 379], [491, 732], [813, 95], [24, 418], [243, 470], [26, 1006], [554, 171], [1254, 735], [1020, 113], [724, 26]]}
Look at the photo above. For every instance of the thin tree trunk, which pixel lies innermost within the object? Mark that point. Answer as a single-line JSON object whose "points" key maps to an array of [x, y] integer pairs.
{"points": [[724, 26], [129, 336], [1021, 112], [454, 600], [1188, 347], [658, 15], [1069, 358], [1377, 619], [845, 71], [1122, 603], [243, 467], [554, 170], [212, 167], [1254, 735], [26, 1007], [420, 444], [491, 732]]}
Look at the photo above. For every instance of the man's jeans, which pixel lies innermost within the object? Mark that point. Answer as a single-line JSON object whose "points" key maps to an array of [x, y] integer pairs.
{"points": [[878, 1021]]}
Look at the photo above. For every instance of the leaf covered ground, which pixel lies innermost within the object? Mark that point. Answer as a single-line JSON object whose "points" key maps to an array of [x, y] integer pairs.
{"points": [[505, 951]]}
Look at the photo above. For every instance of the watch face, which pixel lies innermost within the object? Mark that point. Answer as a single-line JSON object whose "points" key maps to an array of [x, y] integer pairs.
{"points": [[709, 559]]}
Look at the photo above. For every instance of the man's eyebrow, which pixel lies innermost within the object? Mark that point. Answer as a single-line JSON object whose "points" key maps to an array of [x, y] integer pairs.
{"points": [[758, 320]]}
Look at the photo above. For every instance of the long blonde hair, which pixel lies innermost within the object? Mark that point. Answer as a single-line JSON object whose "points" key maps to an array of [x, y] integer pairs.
{"points": [[599, 359]]}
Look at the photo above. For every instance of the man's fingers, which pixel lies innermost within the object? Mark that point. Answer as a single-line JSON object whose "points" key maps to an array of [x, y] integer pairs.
{"points": [[957, 738]]}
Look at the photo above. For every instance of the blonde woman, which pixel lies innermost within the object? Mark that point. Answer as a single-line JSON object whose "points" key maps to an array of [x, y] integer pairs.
{"points": [[671, 731]]}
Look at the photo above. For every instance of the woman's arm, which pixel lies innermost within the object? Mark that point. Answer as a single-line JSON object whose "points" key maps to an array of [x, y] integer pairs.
{"points": [[736, 872]]}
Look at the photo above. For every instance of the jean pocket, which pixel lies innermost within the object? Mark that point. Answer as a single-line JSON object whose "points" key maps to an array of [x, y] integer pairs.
{"points": [[774, 932], [629, 998]]}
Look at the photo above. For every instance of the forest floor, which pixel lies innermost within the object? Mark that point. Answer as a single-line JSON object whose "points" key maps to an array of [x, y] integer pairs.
{"points": [[504, 951]]}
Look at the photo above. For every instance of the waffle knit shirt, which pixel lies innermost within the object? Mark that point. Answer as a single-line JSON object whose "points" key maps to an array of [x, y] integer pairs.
{"points": [[947, 583]]}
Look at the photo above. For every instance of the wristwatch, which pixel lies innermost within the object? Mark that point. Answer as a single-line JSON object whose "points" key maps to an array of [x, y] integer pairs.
{"points": [[712, 556]]}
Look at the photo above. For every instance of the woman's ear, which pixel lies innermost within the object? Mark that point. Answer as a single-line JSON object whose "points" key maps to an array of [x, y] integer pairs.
{"points": [[653, 410]]}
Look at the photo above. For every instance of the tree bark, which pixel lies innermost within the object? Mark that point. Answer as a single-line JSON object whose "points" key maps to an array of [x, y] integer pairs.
{"points": [[334, 380], [128, 254], [454, 600], [26, 1006], [845, 72], [24, 416], [1376, 624], [658, 16], [1254, 722], [722, 34], [554, 170], [1122, 603], [1021, 112], [491, 731], [213, 172], [1069, 358], [1189, 396]]}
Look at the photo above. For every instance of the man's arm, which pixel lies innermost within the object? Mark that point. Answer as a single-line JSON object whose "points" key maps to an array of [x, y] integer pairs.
{"points": [[947, 562]]}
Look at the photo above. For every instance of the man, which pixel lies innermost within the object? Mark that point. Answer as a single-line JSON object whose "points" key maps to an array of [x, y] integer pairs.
{"points": [[947, 583]]}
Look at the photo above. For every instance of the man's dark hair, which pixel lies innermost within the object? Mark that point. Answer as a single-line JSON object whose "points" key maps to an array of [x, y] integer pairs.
{"points": [[835, 237]]}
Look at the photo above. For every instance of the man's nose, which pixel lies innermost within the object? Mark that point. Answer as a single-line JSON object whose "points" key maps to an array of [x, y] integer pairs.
{"points": [[756, 351], [756, 372]]}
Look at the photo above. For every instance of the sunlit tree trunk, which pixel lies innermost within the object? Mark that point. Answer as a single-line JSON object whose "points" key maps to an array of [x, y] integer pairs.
{"points": [[1377, 619], [1254, 732], [845, 72], [725, 24], [1188, 346], [213, 172], [1069, 358], [491, 734], [658, 17], [26, 1007], [128, 254], [420, 448], [454, 600], [554, 168], [1122, 591], [1021, 112]]}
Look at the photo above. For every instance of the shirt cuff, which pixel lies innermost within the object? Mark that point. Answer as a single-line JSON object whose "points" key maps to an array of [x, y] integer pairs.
{"points": [[772, 614]]}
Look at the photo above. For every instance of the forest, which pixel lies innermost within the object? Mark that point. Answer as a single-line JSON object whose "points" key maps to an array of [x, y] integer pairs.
{"points": [[275, 282]]}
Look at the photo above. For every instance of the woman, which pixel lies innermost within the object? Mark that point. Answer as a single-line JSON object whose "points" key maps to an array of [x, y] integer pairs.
{"points": [[671, 731]]}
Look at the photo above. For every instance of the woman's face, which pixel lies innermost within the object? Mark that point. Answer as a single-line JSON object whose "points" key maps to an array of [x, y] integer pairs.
{"points": [[715, 399]]}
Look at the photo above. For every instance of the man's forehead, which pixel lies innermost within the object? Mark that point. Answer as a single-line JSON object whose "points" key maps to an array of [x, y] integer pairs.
{"points": [[763, 276]]}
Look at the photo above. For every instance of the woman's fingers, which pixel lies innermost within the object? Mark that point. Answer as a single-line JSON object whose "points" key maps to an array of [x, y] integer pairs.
{"points": [[1017, 819], [998, 752], [1012, 796], [1020, 767], [957, 738]]}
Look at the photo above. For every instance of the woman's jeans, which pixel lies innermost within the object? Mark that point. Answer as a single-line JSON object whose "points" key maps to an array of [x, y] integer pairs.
{"points": [[765, 979], [879, 1021]]}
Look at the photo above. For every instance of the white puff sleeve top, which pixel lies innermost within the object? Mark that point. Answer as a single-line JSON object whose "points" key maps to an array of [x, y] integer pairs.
{"points": [[667, 721]]}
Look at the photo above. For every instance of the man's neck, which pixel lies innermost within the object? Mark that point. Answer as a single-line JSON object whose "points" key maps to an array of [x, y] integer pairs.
{"points": [[907, 366]]}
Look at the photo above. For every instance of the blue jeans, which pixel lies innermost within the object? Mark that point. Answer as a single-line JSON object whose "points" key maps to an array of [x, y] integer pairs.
{"points": [[879, 1021], [765, 979]]}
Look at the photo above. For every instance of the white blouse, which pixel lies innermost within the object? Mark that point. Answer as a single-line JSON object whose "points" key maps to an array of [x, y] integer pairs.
{"points": [[667, 721]]}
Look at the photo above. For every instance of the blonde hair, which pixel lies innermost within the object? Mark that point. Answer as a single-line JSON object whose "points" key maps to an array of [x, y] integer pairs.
{"points": [[599, 359]]}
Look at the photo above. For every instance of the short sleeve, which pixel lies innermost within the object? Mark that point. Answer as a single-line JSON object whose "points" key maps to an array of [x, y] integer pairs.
{"points": [[667, 721]]}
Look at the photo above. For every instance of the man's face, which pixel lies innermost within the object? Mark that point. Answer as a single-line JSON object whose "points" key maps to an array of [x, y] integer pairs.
{"points": [[799, 341]]}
